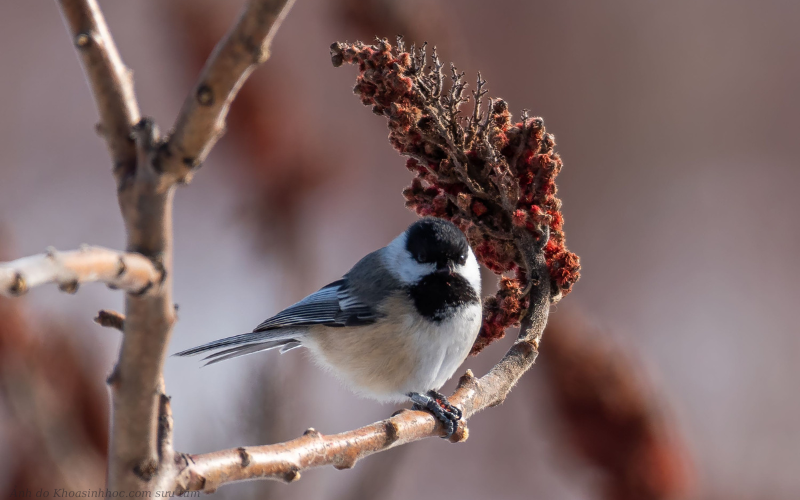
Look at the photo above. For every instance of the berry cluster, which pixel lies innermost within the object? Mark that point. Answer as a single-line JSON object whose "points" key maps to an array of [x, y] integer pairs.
{"points": [[492, 177]]}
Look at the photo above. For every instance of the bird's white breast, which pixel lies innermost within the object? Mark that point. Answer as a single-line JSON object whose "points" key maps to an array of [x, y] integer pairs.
{"points": [[443, 347], [389, 359]]}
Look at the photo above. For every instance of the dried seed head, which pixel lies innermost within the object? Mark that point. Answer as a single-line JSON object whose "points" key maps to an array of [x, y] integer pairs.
{"points": [[491, 177]]}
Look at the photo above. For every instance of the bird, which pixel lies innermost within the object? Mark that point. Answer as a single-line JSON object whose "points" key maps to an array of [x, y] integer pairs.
{"points": [[395, 327]]}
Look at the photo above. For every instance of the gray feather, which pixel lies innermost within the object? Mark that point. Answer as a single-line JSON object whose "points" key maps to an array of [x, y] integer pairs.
{"points": [[289, 346], [370, 282], [241, 351], [265, 346], [350, 301], [282, 335]]}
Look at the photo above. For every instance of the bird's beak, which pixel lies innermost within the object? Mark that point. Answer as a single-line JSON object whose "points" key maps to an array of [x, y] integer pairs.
{"points": [[448, 269]]}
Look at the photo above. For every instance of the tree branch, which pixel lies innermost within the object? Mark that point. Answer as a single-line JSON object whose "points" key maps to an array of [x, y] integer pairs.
{"points": [[110, 80], [285, 461], [201, 121], [131, 272], [136, 383]]}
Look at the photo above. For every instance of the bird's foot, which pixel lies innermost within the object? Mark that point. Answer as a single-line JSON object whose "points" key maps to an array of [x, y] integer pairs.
{"points": [[441, 408], [442, 400]]}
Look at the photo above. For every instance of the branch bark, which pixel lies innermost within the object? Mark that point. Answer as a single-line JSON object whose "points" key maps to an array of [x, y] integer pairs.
{"points": [[110, 80], [131, 272], [201, 121], [110, 319], [136, 383], [285, 461]]}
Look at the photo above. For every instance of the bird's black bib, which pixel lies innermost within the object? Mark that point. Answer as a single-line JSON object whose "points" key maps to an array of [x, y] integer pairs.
{"points": [[437, 296]]}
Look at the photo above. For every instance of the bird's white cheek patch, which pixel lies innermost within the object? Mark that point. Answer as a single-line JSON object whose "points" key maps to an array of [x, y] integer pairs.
{"points": [[471, 271], [401, 262]]}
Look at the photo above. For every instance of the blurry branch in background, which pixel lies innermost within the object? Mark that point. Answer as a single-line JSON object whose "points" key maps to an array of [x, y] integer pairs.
{"points": [[612, 415], [131, 272], [53, 405]]}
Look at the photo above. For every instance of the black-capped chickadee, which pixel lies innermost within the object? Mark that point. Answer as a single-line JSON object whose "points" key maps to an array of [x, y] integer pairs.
{"points": [[397, 325]]}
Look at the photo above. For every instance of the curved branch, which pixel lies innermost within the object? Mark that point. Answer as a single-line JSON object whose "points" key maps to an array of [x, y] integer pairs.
{"points": [[285, 461], [201, 121], [109, 78], [131, 272]]}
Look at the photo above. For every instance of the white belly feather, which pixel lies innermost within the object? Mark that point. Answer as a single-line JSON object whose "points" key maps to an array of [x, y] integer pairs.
{"points": [[445, 346], [386, 361]]}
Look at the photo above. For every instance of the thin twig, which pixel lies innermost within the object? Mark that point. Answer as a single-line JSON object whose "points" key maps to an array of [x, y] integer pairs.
{"points": [[131, 272], [109, 78], [201, 121], [110, 319]]}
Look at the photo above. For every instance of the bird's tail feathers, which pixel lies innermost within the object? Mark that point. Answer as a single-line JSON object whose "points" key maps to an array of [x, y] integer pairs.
{"points": [[243, 350], [240, 345]]}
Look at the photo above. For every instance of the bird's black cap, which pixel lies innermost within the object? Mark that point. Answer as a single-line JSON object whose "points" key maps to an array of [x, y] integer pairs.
{"points": [[432, 240]]}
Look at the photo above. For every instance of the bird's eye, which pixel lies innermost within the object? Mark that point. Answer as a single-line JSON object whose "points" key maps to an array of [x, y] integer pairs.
{"points": [[421, 257]]}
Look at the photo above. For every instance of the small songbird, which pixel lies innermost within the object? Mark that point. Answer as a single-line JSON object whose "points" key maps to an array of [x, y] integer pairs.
{"points": [[397, 325]]}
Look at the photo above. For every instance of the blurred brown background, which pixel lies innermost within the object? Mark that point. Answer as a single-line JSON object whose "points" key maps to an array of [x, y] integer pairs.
{"points": [[677, 122]]}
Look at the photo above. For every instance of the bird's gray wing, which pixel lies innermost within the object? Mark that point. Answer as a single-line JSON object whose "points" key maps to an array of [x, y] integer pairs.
{"points": [[334, 305], [338, 304]]}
